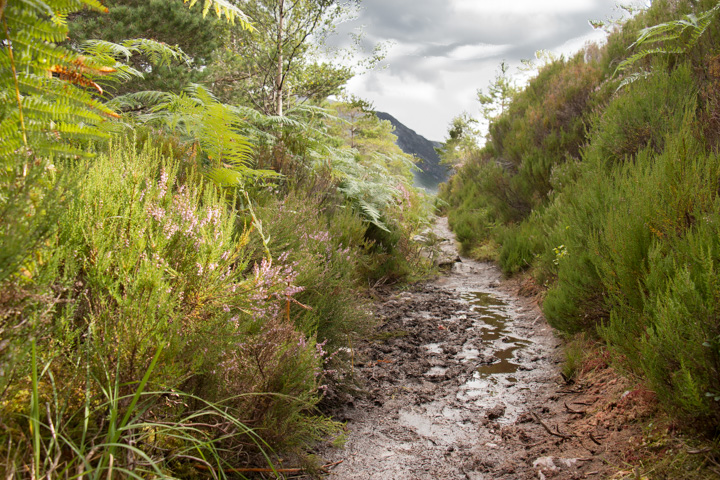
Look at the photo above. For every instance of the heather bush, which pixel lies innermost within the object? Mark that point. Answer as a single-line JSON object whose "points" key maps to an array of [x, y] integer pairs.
{"points": [[326, 246], [149, 276]]}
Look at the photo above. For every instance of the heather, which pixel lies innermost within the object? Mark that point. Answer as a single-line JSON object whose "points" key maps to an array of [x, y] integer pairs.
{"points": [[601, 183]]}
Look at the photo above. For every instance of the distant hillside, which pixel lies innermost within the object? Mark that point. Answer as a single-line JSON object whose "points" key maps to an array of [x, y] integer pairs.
{"points": [[432, 173]]}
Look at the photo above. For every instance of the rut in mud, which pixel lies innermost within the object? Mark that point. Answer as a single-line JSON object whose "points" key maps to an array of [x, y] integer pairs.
{"points": [[460, 378]]}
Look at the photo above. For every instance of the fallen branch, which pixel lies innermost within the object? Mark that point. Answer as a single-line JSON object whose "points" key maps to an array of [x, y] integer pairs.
{"points": [[549, 430], [578, 412]]}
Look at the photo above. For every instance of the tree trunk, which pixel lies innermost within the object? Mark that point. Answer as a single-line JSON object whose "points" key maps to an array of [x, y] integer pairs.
{"points": [[279, 78]]}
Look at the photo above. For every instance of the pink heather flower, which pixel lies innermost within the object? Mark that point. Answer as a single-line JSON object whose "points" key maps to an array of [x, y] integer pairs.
{"points": [[163, 183]]}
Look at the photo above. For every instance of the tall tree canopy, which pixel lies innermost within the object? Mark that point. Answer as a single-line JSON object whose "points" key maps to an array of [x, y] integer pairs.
{"points": [[166, 21], [267, 66]]}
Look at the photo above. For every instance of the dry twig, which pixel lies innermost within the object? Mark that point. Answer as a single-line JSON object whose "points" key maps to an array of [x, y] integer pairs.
{"points": [[557, 433], [578, 412], [595, 440]]}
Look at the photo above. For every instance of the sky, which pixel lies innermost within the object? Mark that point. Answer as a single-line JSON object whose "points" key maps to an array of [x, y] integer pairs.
{"points": [[439, 52]]}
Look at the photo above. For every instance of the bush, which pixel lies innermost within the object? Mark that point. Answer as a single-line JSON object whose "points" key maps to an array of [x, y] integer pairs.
{"points": [[326, 246], [149, 276]]}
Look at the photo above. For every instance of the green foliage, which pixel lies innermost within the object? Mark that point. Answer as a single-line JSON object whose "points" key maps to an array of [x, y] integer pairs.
{"points": [[271, 66], [327, 244], [643, 117], [499, 94], [462, 144], [38, 110], [149, 271], [202, 125], [676, 37], [165, 22]]}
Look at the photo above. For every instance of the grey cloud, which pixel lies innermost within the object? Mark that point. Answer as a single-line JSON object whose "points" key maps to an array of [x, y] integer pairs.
{"points": [[428, 32]]}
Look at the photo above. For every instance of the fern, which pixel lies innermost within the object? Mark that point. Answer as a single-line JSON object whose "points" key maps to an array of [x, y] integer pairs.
{"points": [[674, 37], [226, 8], [201, 121], [46, 88], [370, 189], [41, 102]]}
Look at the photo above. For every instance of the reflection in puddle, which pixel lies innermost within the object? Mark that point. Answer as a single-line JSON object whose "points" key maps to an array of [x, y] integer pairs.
{"points": [[494, 335], [434, 348], [436, 372]]}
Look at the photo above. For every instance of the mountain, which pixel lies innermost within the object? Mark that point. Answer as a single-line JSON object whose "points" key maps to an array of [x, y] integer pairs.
{"points": [[431, 172]]}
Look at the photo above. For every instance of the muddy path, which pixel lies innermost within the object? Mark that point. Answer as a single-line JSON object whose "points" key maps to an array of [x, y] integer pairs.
{"points": [[462, 382]]}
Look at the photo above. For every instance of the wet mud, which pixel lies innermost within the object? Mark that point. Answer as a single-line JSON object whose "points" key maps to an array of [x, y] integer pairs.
{"points": [[462, 381]]}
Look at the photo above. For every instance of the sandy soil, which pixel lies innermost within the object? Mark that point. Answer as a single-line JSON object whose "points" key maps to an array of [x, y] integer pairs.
{"points": [[462, 381]]}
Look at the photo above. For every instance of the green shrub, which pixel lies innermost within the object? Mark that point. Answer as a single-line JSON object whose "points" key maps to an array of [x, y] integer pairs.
{"points": [[326, 246], [148, 272]]}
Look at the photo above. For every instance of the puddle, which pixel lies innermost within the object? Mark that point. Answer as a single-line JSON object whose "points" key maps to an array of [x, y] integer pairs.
{"points": [[495, 335], [436, 372], [434, 348]]}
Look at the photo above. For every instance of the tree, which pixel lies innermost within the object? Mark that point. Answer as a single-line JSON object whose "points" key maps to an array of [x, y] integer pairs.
{"points": [[161, 20], [499, 94], [274, 62], [461, 144]]}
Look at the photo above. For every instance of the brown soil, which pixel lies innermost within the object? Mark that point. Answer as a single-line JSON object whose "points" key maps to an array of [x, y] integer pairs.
{"points": [[463, 381]]}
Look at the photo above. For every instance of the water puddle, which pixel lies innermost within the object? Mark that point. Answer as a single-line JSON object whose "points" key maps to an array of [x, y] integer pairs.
{"points": [[501, 347], [434, 348], [495, 380]]}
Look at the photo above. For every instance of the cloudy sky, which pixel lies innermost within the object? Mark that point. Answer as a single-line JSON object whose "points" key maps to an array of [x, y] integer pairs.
{"points": [[441, 51]]}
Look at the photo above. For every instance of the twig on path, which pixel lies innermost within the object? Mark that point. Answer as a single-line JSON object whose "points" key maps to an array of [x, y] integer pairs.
{"points": [[595, 440], [698, 452], [327, 467], [578, 412], [570, 391], [557, 433]]}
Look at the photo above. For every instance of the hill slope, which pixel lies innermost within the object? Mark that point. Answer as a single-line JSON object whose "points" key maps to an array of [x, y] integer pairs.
{"points": [[410, 142]]}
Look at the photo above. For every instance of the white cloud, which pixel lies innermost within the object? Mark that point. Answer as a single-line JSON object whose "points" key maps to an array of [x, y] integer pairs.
{"points": [[479, 51], [522, 7]]}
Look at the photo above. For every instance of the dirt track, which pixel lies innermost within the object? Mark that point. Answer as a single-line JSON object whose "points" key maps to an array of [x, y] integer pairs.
{"points": [[462, 381]]}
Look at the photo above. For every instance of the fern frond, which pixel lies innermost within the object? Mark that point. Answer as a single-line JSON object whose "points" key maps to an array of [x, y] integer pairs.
{"points": [[59, 111], [223, 7], [63, 7], [672, 38], [61, 150], [46, 54], [159, 53], [632, 60], [56, 89], [80, 131], [138, 100], [39, 110], [24, 20], [103, 48]]}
